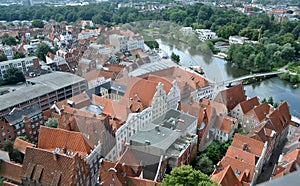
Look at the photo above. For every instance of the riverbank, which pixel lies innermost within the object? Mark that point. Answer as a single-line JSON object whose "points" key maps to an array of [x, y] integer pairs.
{"points": [[218, 70]]}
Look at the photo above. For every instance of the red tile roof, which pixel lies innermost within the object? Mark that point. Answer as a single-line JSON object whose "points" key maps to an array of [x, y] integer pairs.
{"points": [[50, 168], [226, 124], [21, 145], [51, 138], [248, 144], [249, 104], [225, 177], [11, 170], [182, 77], [111, 108], [220, 107], [242, 170], [231, 96], [241, 155], [259, 112], [136, 181]]}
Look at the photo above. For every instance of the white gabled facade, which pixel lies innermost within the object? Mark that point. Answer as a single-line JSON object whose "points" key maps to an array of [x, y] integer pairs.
{"points": [[135, 122]]}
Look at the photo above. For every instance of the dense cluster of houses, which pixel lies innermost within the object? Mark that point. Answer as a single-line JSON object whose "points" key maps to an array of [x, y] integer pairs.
{"points": [[127, 117]]}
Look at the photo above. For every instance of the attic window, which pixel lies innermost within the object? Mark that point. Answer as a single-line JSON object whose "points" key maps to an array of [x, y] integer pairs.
{"points": [[237, 172]]}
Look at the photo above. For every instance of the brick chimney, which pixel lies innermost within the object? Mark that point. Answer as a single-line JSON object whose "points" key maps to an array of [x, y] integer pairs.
{"points": [[36, 63]]}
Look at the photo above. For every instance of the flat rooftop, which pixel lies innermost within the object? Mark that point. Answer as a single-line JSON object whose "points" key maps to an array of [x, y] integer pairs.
{"points": [[160, 137], [43, 84]]}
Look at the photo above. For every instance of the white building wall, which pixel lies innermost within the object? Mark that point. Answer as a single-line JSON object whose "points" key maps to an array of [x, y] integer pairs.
{"points": [[204, 92], [159, 102], [173, 96]]}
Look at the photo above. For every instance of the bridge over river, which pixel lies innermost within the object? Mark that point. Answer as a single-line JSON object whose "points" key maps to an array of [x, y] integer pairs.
{"points": [[227, 82]]}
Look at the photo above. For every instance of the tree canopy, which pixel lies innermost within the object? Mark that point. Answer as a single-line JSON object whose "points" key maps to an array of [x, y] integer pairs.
{"points": [[52, 122], [14, 154], [152, 44], [13, 75], [187, 176], [3, 57], [42, 51], [8, 40], [37, 23]]}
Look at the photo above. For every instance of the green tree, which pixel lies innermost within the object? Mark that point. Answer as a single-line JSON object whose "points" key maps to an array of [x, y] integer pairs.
{"points": [[3, 57], [52, 122], [175, 58], [13, 75], [42, 51], [152, 44], [270, 100], [14, 154], [37, 23], [18, 55], [226, 31], [213, 152], [8, 40], [264, 100], [187, 176], [204, 164], [24, 139]]}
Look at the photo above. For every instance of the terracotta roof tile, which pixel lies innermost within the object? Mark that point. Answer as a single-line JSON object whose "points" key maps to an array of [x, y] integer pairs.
{"points": [[226, 125], [96, 131], [231, 96], [241, 155], [60, 138], [111, 108], [259, 112], [220, 107], [144, 90], [238, 167], [11, 171], [249, 104], [280, 117], [182, 76], [292, 156], [250, 145], [225, 177], [21, 145], [136, 181], [50, 168]]}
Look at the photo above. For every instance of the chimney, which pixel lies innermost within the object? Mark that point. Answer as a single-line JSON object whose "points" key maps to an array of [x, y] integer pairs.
{"points": [[36, 63], [245, 147], [55, 152]]}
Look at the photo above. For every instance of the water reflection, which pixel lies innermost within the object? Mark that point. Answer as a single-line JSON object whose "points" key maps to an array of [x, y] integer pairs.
{"points": [[218, 70]]}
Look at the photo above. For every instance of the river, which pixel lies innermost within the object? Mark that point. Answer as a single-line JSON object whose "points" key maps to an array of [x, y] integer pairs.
{"points": [[218, 70]]}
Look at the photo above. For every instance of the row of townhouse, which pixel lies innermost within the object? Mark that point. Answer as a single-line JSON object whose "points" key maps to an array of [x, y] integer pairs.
{"points": [[247, 155]]}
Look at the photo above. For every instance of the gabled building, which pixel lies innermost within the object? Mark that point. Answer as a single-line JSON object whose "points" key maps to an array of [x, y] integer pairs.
{"points": [[231, 97], [255, 116], [22, 122], [62, 158], [129, 170], [245, 157], [244, 107], [287, 163]]}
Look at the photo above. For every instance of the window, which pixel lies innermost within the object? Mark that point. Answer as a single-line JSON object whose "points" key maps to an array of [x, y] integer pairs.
{"points": [[8, 131]]}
